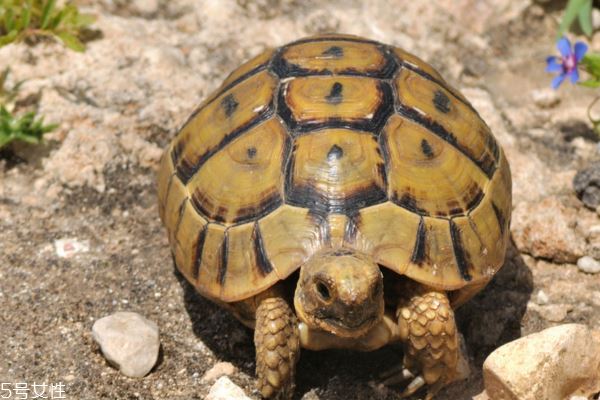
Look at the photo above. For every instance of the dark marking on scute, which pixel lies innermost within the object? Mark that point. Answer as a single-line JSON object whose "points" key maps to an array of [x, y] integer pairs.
{"points": [[176, 152], [486, 164], [441, 102], [180, 212], [266, 206], [381, 172], [335, 153], [320, 203], [285, 69], [374, 124], [409, 202], [251, 152], [335, 96], [475, 194], [185, 169], [462, 258], [229, 104], [429, 77], [500, 218], [223, 263], [426, 149], [261, 260], [491, 144], [198, 249], [418, 255], [384, 151], [222, 90], [334, 51], [244, 214], [289, 170], [454, 208], [342, 252]]}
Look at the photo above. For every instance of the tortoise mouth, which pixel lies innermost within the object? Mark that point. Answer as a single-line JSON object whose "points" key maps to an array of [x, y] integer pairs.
{"points": [[347, 328]]}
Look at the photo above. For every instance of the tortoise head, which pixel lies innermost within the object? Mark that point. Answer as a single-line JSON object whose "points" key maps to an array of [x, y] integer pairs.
{"points": [[341, 293]]}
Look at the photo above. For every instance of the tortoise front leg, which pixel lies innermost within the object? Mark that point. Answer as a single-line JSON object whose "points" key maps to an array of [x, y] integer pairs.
{"points": [[277, 348], [428, 330]]}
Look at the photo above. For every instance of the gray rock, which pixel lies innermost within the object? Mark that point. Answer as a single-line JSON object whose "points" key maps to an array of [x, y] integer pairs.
{"points": [[224, 389], [551, 364], [587, 185], [589, 265], [129, 341]]}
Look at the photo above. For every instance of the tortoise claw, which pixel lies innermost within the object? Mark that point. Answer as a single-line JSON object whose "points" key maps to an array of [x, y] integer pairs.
{"points": [[416, 384], [396, 375]]}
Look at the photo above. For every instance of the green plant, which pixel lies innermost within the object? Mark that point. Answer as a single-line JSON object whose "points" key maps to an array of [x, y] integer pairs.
{"points": [[25, 128], [31, 19], [8, 95], [580, 10]]}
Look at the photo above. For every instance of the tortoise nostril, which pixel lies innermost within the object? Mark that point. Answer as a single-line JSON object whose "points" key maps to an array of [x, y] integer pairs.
{"points": [[323, 291]]}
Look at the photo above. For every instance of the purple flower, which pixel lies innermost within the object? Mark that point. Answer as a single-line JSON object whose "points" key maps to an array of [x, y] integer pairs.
{"points": [[566, 65]]}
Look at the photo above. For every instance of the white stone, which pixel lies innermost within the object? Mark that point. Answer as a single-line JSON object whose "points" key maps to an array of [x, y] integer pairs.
{"points": [[224, 389], [129, 341], [545, 98], [552, 364], [595, 18], [217, 371], [542, 297], [589, 265]]}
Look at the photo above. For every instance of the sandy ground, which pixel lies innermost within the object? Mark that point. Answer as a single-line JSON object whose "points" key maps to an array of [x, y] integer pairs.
{"points": [[119, 104]]}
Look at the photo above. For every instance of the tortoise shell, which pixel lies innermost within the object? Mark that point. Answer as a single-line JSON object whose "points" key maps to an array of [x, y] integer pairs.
{"points": [[334, 142]]}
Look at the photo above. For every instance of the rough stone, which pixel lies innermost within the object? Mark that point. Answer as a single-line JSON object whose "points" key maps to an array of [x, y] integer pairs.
{"points": [[589, 265], [552, 312], [587, 185], [129, 341], [552, 364], [546, 229], [224, 389], [217, 371], [545, 98]]}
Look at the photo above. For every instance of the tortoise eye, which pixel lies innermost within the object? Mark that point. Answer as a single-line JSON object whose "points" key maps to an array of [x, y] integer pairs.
{"points": [[323, 290]]}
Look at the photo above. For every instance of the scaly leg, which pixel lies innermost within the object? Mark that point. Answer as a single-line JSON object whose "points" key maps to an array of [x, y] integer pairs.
{"points": [[277, 348], [428, 330]]}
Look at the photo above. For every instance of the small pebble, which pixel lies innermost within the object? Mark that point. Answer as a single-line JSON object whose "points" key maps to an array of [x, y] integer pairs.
{"points": [[589, 265], [128, 341], [217, 371], [224, 389], [542, 297], [545, 98]]}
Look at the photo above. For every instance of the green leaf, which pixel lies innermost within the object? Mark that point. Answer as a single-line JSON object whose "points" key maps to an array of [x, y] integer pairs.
{"points": [[71, 41], [26, 16], [56, 20], [571, 12], [25, 128], [8, 38], [585, 18], [591, 64], [9, 20], [46, 13], [591, 83], [84, 20]]}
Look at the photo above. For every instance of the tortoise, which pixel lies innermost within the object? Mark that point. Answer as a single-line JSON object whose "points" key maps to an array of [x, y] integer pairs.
{"points": [[337, 192]]}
